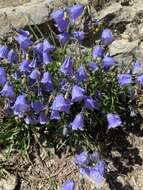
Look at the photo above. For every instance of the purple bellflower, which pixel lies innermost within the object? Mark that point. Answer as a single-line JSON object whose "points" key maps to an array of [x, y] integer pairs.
{"points": [[124, 79], [107, 37], [89, 103], [8, 90], [55, 115], [66, 67], [137, 67], [60, 104], [35, 74], [46, 58], [77, 93], [75, 11], [23, 41], [42, 118], [37, 106], [114, 120], [47, 47], [93, 66], [63, 38], [3, 77], [4, 51], [140, 80], [108, 62], [25, 66], [78, 122], [98, 51], [82, 158], [12, 57], [20, 106], [81, 74]]}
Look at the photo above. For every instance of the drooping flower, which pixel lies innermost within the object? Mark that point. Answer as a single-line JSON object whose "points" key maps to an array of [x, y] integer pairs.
{"points": [[63, 38], [124, 79], [78, 122], [55, 115], [25, 66], [47, 81], [60, 104], [114, 120], [3, 76], [8, 90], [81, 74], [79, 35], [30, 120], [93, 66], [137, 67], [66, 67], [82, 158], [37, 106], [77, 93], [33, 63], [140, 79], [98, 51], [47, 47], [20, 106], [46, 58], [35, 74], [108, 62], [94, 157], [42, 118], [4, 51], [89, 103], [12, 56], [61, 22], [23, 41], [75, 11], [107, 37], [68, 185]]}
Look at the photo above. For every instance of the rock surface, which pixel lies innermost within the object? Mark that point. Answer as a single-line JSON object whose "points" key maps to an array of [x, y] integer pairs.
{"points": [[8, 183]]}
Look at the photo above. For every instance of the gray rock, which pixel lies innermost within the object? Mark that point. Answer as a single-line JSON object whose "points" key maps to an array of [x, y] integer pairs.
{"points": [[8, 183]]}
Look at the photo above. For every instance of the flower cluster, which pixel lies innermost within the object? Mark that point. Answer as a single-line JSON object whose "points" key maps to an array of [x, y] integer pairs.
{"points": [[76, 86]]}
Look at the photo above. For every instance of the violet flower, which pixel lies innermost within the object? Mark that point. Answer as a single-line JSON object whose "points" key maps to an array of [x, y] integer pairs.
{"points": [[63, 38], [108, 62], [78, 122], [79, 35], [140, 80], [3, 77], [60, 104], [35, 74], [25, 66], [37, 106], [114, 120], [8, 90], [107, 37], [77, 93], [98, 51], [124, 79], [81, 74], [82, 158], [75, 11], [47, 47], [66, 67], [4, 51], [42, 118], [55, 115], [93, 66], [89, 103]]}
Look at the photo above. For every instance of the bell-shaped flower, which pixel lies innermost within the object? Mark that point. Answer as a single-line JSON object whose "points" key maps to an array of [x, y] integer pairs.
{"points": [[77, 93], [23, 41], [46, 58], [8, 90], [82, 158], [42, 118], [37, 106], [67, 66], [108, 62], [89, 103], [63, 38], [30, 120], [98, 51], [79, 35], [78, 122], [140, 80], [94, 157], [33, 63], [47, 47], [124, 79], [25, 66], [114, 120], [20, 106], [35, 74], [137, 67], [4, 51], [75, 11], [12, 56], [81, 74], [47, 81], [61, 22], [68, 185], [3, 77], [93, 66], [107, 37], [55, 115], [60, 104], [39, 47]]}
